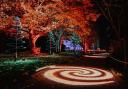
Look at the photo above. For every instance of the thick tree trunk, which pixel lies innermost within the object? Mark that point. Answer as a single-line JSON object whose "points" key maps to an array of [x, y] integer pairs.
{"points": [[35, 50]]}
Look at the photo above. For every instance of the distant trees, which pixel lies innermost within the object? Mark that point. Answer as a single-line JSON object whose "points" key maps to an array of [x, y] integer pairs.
{"points": [[115, 12]]}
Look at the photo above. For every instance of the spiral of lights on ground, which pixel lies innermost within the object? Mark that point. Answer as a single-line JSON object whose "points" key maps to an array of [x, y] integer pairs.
{"points": [[71, 75]]}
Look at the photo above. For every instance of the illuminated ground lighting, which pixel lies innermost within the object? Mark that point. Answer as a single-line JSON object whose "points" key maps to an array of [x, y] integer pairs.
{"points": [[99, 55], [95, 56], [71, 75]]}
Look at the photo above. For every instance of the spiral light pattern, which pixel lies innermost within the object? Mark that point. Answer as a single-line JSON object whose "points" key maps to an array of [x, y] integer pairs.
{"points": [[72, 75]]}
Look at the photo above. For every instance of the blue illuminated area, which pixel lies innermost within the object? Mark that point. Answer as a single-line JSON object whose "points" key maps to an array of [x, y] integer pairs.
{"points": [[70, 46]]}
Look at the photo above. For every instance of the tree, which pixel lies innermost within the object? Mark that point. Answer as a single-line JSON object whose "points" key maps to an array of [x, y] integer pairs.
{"points": [[115, 12], [16, 43], [51, 42], [40, 17]]}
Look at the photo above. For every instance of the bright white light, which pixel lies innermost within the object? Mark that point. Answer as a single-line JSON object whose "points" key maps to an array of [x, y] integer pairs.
{"points": [[71, 75]]}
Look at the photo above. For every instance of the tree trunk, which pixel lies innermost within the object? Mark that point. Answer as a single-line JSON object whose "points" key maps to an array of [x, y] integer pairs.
{"points": [[33, 39], [35, 50], [85, 45], [61, 42]]}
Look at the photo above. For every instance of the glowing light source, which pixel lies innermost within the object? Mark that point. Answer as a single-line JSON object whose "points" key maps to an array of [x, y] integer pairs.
{"points": [[99, 55], [72, 75], [95, 56], [70, 46]]}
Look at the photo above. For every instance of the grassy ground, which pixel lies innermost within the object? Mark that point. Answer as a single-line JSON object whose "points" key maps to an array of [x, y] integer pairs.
{"points": [[17, 74]]}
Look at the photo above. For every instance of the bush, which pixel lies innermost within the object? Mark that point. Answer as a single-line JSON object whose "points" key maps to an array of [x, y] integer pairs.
{"points": [[17, 69]]}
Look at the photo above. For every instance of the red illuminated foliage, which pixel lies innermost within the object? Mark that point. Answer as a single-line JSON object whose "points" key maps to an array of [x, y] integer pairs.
{"points": [[39, 17]]}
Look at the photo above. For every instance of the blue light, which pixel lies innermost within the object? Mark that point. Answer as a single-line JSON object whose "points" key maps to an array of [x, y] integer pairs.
{"points": [[70, 46]]}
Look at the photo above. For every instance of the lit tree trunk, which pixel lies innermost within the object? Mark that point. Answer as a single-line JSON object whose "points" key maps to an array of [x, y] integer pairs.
{"points": [[35, 50], [61, 42], [58, 40], [85, 45], [33, 39], [57, 46], [50, 46]]}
